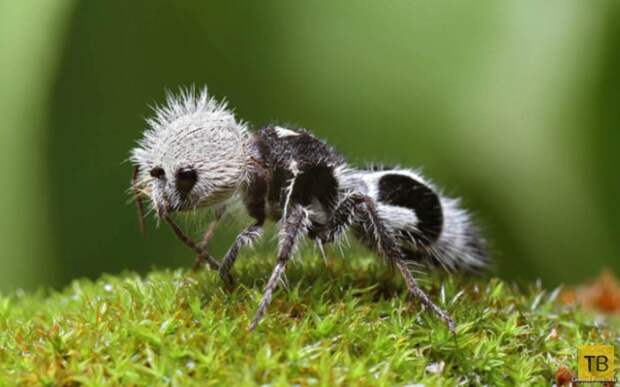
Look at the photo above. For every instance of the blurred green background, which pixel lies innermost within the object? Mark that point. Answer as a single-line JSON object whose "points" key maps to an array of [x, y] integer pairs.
{"points": [[512, 105]]}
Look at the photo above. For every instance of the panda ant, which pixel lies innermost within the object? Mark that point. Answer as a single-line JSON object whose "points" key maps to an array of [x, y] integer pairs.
{"points": [[195, 154]]}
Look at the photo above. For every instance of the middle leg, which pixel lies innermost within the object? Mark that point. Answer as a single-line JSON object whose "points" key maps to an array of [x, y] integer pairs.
{"points": [[293, 228]]}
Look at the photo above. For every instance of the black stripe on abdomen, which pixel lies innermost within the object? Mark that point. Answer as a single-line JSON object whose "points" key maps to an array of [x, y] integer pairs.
{"points": [[404, 191]]}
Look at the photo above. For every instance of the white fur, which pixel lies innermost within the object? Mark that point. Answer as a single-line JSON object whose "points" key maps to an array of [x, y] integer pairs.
{"points": [[294, 168], [192, 130], [452, 250], [283, 132]]}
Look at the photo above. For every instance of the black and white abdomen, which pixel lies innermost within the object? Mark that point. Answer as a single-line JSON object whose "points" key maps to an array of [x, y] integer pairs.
{"points": [[428, 226]]}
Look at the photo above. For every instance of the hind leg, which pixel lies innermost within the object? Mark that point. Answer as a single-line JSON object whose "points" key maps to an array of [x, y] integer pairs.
{"points": [[362, 209]]}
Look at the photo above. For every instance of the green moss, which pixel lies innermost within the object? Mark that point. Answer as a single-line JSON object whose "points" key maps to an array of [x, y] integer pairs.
{"points": [[347, 323]]}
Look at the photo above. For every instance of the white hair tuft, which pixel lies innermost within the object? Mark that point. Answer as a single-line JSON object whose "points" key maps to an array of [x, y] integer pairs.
{"points": [[192, 130]]}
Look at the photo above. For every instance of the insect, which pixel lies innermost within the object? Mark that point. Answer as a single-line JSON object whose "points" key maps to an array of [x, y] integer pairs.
{"points": [[196, 154]]}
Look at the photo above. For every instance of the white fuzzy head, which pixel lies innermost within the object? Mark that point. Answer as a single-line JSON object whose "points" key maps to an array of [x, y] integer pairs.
{"points": [[193, 154]]}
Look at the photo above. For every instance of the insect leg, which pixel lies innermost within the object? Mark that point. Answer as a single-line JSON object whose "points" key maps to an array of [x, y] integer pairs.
{"points": [[212, 262], [341, 218], [218, 215], [386, 245], [247, 237], [295, 226], [418, 293], [200, 259]]}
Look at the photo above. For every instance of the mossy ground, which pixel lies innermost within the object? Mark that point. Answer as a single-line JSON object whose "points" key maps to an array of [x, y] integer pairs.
{"points": [[345, 323]]}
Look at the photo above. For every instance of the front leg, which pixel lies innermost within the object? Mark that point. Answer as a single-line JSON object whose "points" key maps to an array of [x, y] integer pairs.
{"points": [[248, 237], [200, 259], [293, 228], [212, 262]]}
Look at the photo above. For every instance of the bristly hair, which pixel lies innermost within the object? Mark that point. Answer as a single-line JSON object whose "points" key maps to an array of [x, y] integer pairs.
{"points": [[194, 130], [195, 155], [186, 105], [186, 102]]}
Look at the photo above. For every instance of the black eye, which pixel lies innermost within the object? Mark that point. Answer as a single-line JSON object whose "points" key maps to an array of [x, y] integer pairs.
{"points": [[186, 179], [158, 172]]}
